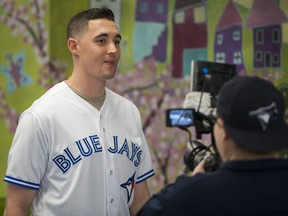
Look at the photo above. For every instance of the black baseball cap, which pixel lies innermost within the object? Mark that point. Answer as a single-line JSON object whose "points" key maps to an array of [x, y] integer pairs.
{"points": [[253, 111]]}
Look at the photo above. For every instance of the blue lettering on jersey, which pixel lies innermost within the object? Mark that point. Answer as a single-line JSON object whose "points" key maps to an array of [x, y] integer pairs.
{"points": [[85, 146], [135, 149], [86, 153], [137, 162], [115, 141], [96, 144], [62, 163], [90, 144], [125, 150], [72, 158]]}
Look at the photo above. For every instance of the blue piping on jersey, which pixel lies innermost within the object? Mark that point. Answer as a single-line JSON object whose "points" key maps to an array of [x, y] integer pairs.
{"points": [[20, 182], [145, 176]]}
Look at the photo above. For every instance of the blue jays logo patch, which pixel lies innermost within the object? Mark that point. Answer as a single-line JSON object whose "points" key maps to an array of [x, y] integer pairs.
{"points": [[129, 186], [265, 114]]}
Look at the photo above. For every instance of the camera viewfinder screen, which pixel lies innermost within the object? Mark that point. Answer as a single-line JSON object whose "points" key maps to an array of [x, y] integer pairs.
{"points": [[179, 117]]}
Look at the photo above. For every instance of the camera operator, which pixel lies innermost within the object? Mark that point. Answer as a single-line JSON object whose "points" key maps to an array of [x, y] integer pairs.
{"points": [[250, 132]]}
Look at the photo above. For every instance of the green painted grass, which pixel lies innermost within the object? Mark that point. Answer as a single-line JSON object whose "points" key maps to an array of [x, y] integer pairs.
{"points": [[2, 205]]}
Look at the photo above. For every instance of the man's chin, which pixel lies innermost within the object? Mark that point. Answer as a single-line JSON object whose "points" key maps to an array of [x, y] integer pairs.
{"points": [[109, 76]]}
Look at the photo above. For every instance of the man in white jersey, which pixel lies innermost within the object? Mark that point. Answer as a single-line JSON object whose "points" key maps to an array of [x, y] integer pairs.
{"points": [[80, 148]]}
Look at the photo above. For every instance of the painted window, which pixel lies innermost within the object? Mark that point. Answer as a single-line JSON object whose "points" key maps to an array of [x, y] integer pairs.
{"points": [[143, 7], [276, 36], [276, 59], [237, 58], [236, 35], [258, 56], [160, 8], [179, 17], [259, 36], [219, 39], [200, 14], [220, 57]]}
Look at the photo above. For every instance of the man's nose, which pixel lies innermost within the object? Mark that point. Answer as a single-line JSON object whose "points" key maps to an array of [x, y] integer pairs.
{"points": [[112, 48]]}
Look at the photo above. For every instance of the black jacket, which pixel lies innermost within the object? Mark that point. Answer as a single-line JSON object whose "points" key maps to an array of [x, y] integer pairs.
{"points": [[236, 188]]}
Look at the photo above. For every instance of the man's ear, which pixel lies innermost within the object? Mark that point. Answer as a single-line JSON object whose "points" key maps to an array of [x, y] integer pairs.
{"points": [[221, 124], [72, 46]]}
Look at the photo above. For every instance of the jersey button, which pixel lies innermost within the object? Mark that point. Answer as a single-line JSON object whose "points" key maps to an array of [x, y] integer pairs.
{"points": [[111, 172], [111, 200], [104, 130]]}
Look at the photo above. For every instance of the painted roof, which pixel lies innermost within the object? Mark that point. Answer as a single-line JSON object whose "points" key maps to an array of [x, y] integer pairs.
{"points": [[265, 13], [229, 17]]}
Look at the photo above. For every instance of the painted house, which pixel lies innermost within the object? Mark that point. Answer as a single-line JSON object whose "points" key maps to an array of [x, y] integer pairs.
{"points": [[228, 38], [265, 19], [189, 35], [150, 32]]}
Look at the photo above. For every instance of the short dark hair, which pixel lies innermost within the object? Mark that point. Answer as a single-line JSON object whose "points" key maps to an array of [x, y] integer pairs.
{"points": [[78, 23]]}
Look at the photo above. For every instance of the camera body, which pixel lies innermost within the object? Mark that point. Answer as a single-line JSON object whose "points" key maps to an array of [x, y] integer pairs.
{"points": [[206, 77], [184, 118]]}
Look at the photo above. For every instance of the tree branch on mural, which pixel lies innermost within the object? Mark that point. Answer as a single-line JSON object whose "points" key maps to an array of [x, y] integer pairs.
{"points": [[28, 28], [34, 32], [153, 113], [163, 166], [37, 16], [141, 88], [10, 115], [28, 21]]}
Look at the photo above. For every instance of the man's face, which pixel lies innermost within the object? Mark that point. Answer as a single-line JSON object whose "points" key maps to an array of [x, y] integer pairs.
{"points": [[99, 49]]}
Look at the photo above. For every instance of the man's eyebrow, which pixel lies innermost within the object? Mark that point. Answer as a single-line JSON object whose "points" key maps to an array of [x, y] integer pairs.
{"points": [[119, 36], [106, 35]]}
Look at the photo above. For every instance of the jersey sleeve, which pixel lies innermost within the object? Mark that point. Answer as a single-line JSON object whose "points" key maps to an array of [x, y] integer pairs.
{"points": [[27, 159], [146, 169]]}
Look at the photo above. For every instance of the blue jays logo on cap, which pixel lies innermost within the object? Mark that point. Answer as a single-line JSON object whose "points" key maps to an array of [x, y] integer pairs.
{"points": [[264, 114], [129, 186], [253, 111]]}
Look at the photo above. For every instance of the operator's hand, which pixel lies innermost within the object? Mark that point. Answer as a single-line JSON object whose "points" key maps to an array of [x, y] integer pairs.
{"points": [[200, 168]]}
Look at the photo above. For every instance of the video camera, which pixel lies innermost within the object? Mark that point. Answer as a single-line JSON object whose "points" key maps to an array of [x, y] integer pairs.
{"points": [[206, 77]]}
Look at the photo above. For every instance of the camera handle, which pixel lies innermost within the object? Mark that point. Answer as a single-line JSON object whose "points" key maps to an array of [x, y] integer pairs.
{"points": [[201, 151]]}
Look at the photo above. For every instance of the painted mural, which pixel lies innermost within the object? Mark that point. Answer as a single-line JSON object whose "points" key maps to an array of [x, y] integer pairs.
{"points": [[26, 69], [157, 49]]}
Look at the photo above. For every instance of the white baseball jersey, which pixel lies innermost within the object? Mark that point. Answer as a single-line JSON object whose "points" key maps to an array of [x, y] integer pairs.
{"points": [[82, 161]]}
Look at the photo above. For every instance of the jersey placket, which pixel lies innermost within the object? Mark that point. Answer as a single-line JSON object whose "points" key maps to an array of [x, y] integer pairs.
{"points": [[111, 186]]}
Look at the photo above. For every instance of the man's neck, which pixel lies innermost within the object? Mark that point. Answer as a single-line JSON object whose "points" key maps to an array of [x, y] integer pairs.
{"points": [[86, 88]]}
